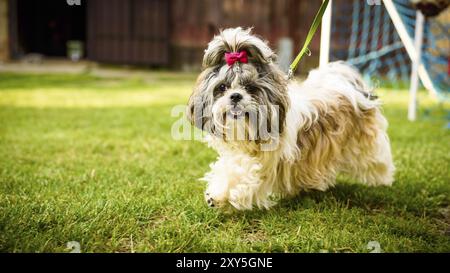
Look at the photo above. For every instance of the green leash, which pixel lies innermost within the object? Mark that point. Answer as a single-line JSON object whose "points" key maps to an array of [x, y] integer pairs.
{"points": [[312, 31]]}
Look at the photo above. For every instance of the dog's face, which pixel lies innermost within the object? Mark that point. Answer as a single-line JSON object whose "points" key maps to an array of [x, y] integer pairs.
{"points": [[240, 86]]}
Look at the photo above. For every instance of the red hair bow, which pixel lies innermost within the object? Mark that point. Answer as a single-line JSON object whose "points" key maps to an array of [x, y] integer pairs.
{"points": [[232, 57]]}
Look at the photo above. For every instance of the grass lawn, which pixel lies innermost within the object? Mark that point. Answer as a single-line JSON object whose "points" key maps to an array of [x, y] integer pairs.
{"points": [[92, 160]]}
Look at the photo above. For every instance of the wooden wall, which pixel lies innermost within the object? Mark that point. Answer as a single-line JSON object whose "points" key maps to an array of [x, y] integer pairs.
{"points": [[128, 32], [174, 33], [194, 22]]}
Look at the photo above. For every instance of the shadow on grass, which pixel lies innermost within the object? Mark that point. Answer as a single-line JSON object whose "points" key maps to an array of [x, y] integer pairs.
{"points": [[398, 199], [392, 201]]}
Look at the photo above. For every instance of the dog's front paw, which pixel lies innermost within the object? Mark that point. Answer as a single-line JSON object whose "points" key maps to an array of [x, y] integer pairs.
{"points": [[214, 201], [209, 200]]}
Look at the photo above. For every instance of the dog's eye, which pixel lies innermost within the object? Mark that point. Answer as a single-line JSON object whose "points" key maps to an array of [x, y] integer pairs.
{"points": [[222, 87], [250, 88]]}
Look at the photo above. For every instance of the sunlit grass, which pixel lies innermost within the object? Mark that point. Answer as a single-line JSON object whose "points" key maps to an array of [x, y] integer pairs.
{"points": [[92, 160]]}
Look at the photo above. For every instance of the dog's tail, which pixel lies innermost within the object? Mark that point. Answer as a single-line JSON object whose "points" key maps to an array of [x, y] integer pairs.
{"points": [[341, 78], [352, 76]]}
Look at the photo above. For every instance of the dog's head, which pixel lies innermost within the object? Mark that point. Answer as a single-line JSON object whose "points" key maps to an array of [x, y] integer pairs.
{"points": [[240, 86]]}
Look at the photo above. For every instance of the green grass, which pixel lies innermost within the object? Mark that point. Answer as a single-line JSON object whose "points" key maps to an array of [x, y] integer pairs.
{"points": [[92, 160]]}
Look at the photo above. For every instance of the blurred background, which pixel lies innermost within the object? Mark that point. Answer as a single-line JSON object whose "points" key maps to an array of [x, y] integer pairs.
{"points": [[153, 33], [172, 34]]}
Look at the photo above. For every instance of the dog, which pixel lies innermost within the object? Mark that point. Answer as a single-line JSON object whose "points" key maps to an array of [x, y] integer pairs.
{"points": [[275, 137]]}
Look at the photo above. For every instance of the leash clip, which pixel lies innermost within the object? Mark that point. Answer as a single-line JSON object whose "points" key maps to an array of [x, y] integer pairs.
{"points": [[290, 74]]}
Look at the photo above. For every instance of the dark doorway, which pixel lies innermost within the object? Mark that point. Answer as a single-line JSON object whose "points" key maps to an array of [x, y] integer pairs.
{"points": [[45, 26]]}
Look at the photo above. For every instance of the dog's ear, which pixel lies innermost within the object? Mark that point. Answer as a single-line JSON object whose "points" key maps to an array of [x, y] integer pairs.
{"points": [[235, 40], [198, 111]]}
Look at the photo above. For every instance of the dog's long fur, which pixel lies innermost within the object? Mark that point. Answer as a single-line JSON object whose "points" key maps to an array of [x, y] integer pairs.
{"points": [[327, 125]]}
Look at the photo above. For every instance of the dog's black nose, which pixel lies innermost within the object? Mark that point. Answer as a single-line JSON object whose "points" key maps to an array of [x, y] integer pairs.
{"points": [[236, 97]]}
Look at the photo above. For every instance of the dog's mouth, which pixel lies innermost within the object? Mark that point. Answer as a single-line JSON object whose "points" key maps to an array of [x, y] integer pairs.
{"points": [[236, 112]]}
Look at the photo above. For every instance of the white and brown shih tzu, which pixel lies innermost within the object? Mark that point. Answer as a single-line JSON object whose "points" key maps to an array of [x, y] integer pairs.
{"points": [[276, 137]]}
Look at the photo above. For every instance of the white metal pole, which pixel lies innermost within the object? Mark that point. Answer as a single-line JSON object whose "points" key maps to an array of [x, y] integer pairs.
{"points": [[418, 38], [325, 35], [409, 46]]}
